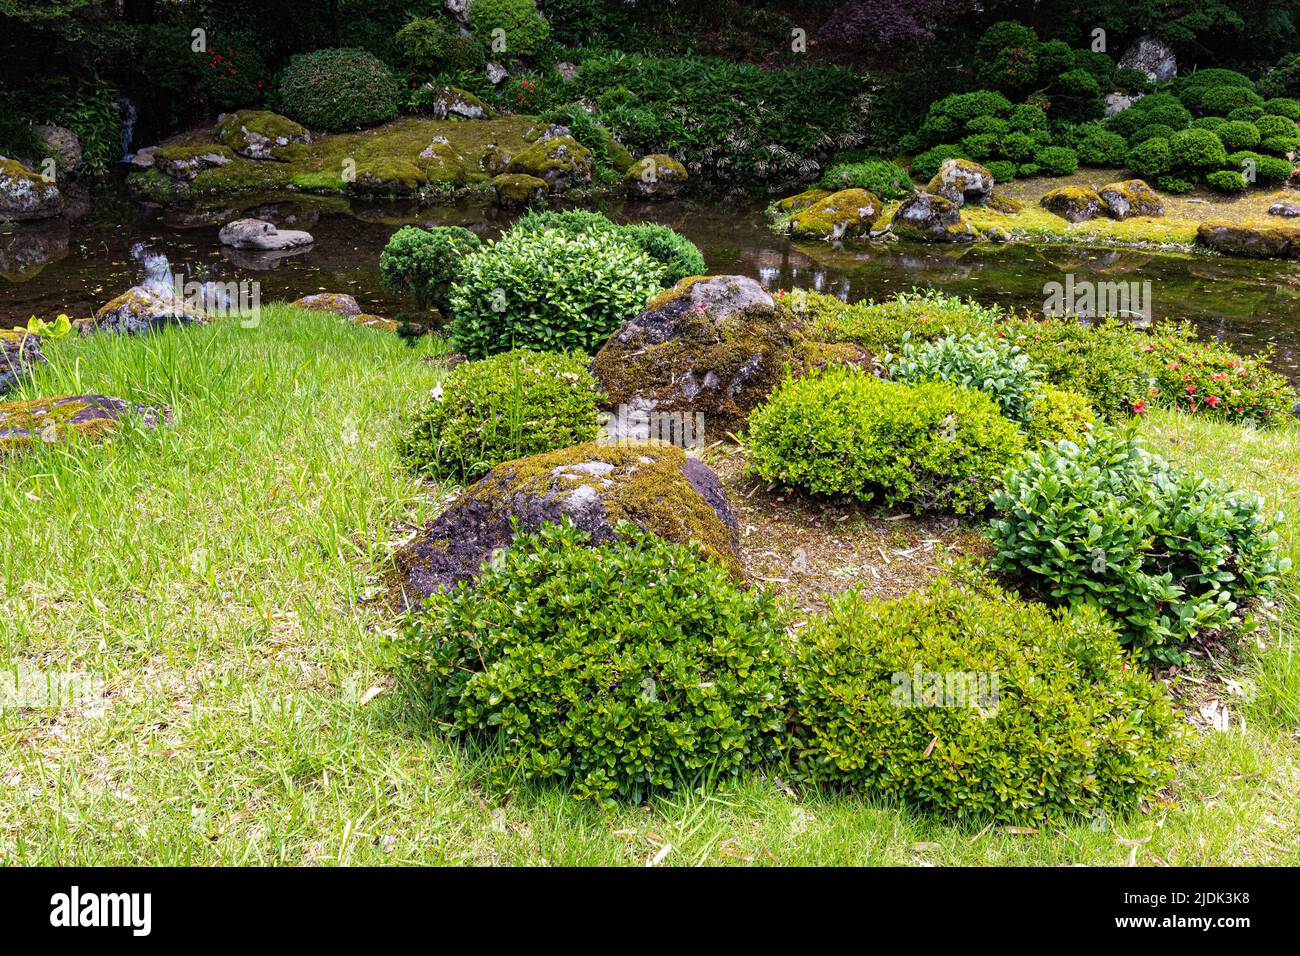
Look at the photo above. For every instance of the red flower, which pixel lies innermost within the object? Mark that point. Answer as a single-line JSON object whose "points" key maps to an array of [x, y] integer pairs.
{"points": [[1139, 408], [1191, 389], [1212, 401]]}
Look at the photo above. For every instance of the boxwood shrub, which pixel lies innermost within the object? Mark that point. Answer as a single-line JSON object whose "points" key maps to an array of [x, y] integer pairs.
{"points": [[501, 408], [621, 669], [422, 263], [842, 431], [549, 290], [1106, 524], [964, 701], [337, 90]]}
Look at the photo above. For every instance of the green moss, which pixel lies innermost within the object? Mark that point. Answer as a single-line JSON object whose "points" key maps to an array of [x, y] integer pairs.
{"points": [[237, 128], [182, 153], [803, 200], [518, 187], [560, 160], [847, 214], [658, 166], [48, 420]]}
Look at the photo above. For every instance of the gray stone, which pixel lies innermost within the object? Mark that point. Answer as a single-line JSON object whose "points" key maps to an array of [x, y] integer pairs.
{"points": [[141, 310], [61, 144], [1286, 209], [20, 353], [25, 194], [262, 236], [1152, 56], [929, 218]]}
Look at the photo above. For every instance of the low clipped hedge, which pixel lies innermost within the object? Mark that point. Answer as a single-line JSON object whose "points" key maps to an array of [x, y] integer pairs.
{"points": [[505, 407], [678, 255], [967, 702], [422, 263], [337, 89], [842, 431], [620, 669], [1167, 554]]}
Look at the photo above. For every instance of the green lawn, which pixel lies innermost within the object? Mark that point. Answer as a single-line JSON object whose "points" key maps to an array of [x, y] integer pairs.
{"points": [[219, 574]]}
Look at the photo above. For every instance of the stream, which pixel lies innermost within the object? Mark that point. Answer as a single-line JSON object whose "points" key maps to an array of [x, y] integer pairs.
{"points": [[76, 265]]}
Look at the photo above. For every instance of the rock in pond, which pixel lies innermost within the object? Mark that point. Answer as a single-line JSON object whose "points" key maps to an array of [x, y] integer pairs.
{"points": [[1130, 198], [563, 162], [257, 134], [20, 353], [596, 485], [962, 181], [847, 214], [25, 194], [141, 310], [518, 189], [657, 176], [1074, 203], [929, 218], [1281, 241], [28, 424], [261, 235], [184, 163]]}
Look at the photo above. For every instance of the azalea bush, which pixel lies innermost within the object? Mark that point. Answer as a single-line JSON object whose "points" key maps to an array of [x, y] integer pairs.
{"points": [[337, 89]]}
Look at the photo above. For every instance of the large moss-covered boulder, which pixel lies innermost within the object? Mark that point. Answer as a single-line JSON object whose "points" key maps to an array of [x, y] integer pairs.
{"points": [[259, 134], [184, 163], [657, 176], [20, 352], [803, 200], [1074, 203], [1251, 241], [442, 162], [962, 181], [141, 310], [25, 194], [387, 176], [926, 217], [1130, 198], [24, 425], [336, 303], [847, 214], [596, 485], [517, 189], [562, 161], [451, 102], [714, 345]]}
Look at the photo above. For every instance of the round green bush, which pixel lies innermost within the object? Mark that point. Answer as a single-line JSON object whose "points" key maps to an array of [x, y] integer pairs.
{"points": [[1018, 146], [1002, 170], [1058, 413], [1281, 145], [1283, 106], [1026, 118], [337, 90], [429, 45], [1173, 116], [1129, 80], [1191, 88], [1029, 170], [1222, 100], [422, 263], [925, 165], [621, 669], [524, 31], [549, 290], [1154, 131], [964, 107], [1238, 135], [1212, 123], [962, 700], [501, 408], [1196, 150], [1001, 371], [1268, 169], [988, 124], [1175, 184], [1057, 160], [879, 176], [1101, 148], [845, 432], [1150, 159], [1106, 524], [1270, 126], [1246, 114], [1227, 181], [678, 255]]}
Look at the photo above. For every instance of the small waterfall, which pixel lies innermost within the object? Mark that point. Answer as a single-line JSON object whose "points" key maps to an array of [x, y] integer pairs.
{"points": [[129, 114], [163, 282]]}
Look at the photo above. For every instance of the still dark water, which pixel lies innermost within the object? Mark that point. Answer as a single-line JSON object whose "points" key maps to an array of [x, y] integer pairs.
{"points": [[76, 266]]}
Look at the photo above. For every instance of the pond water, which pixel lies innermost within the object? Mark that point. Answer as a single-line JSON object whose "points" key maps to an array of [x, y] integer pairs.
{"points": [[75, 266]]}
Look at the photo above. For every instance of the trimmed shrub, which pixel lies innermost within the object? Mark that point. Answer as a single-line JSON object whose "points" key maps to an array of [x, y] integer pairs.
{"points": [[925, 165], [549, 290], [621, 669], [501, 408], [1102, 361], [843, 431], [1026, 118], [1154, 131], [1212, 123], [1056, 414], [1196, 151], [1281, 145], [1226, 181], [887, 180], [1002, 170], [967, 702], [1222, 100], [337, 90], [423, 263], [1175, 184], [1283, 106], [1268, 169], [1270, 126], [1108, 525], [1150, 159], [1018, 146], [524, 29], [1100, 147], [1001, 371], [678, 255], [1191, 88], [1238, 135], [1210, 379], [1057, 160], [429, 45]]}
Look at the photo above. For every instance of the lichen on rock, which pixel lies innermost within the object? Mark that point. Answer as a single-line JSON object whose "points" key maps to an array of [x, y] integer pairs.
{"points": [[847, 214], [20, 353], [1074, 203], [25, 194], [562, 161], [519, 189], [926, 217], [260, 134], [1132, 197], [596, 485], [28, 424], [657, 176], [1251, 241], [337, 303], [961, 181], [141, 310]]}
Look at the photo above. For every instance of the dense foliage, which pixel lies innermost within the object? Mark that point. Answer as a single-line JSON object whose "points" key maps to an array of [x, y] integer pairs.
{"points": [[423, 263], [978, 706], [500, 408], [623, 668], [678, 255], [1167, 554], [1003, 372], [337, 90]]}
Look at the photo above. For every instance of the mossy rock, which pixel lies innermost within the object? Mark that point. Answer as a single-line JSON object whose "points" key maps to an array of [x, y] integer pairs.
{"points": [[929, 218], [261, 134], [1074, 203], [141, 310], [792, 204], [26, 195], [657, 176], [376, 322], [30, 424], [847, 214], [961, 181], [20, 353], [387, 177], [562, 161], [1004, 204], [1132, 197], [184, 163], [336, 303], [517, 189], [596, 485], [1250, 241], [619, 157], [441, 162], [453, 103]]}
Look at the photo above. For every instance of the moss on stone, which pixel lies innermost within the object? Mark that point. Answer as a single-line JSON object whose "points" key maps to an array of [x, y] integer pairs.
{"points": [[803, 200], [35, 422], [519, 188], [847, 214], [388, 176], [1074, 203], [561, 161], [261, 134]]}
